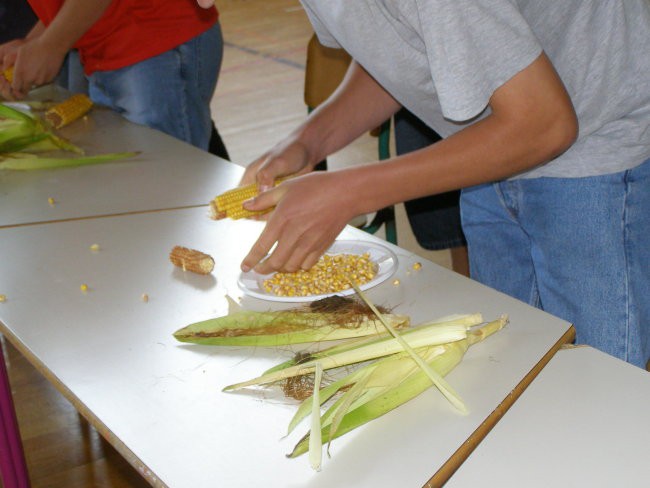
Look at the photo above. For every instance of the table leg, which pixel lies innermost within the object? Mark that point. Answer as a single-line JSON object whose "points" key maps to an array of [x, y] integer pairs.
{"points": [[13, 469]]}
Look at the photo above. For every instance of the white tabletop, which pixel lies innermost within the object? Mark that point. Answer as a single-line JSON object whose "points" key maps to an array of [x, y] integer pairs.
{"points": [[584, 421], [160, 402], [166, 174]]}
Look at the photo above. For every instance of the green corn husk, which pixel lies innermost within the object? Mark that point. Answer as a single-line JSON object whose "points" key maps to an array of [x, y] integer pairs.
{"points": [[26, 162], [353, 352], [383, 385], [417, 336], [295, 326], [20, 131]]}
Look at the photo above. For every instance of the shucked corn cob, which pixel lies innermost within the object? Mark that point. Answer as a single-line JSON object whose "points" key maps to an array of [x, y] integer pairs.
{"points": [[191, 260], [229, 203], [69, 110]]}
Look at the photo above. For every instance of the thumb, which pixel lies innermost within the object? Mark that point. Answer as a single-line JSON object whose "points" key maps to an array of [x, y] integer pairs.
{"points": [[264, 201]]}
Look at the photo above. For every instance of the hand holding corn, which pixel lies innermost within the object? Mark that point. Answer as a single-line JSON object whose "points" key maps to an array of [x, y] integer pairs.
{"points": [[229, 204]]}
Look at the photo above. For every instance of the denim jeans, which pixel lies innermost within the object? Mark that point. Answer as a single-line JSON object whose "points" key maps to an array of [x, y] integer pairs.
{"points": [[578, 248], [170, 92]]}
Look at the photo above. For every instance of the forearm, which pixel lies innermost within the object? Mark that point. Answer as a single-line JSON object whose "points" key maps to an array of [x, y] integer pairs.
{"points": [[35, 31], [73, 21], [358, 105], [532, 122]]}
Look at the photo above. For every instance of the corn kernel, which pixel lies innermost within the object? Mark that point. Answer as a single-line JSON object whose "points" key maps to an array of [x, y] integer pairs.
{"points": [[3, 298], [145, 297], [331, 274], [417, 266], [94, 247], [396, 282], [51, 201], [84, 288]]}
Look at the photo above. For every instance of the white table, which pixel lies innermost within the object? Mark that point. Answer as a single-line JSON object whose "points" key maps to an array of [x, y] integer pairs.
{"points": [[160, 403], [584, 421], [166, 174]]}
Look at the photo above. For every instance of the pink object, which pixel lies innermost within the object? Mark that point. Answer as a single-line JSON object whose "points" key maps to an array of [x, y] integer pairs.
{"points": [[13, 469]]}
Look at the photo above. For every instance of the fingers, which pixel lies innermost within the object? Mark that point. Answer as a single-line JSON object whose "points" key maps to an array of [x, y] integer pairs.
{"points": [[205, 3]]}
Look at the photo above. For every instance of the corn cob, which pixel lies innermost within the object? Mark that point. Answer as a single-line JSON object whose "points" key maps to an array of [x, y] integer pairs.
{"points": [[383, 385], [376, 346], [229, 203], [191, 260], [9, 74], [68, 111]]}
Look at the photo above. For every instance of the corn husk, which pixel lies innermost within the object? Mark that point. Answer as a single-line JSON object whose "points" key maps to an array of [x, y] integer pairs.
{"points": [[343, 320], [383, 385]]}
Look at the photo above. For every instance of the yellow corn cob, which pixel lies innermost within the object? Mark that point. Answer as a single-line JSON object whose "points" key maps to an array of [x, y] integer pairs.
{"points": [[229, 203], [9, 74], [191, 260], [69, 110]]}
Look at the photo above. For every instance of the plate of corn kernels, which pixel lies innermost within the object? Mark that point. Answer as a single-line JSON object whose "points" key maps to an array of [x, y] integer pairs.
{"points": [[367, 263]]}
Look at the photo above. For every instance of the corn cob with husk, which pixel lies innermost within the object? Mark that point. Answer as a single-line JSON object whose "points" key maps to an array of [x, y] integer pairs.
{"points": [[329, 319], [229, 203], [382, 344], [22, 135], [383, 385], [68, 111]]}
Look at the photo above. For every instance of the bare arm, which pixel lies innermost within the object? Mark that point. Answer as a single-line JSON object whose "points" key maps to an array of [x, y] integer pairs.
{"points": [[358, 105], [532, 121]]}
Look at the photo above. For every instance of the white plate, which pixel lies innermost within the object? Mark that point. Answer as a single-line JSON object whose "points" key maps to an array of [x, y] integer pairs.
{"points": [[252, 283]]}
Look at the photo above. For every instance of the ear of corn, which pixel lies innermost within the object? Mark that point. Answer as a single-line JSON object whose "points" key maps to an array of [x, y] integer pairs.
{"points": [[361, 351], [229, 203], [69, 110], [275, 328], [386, 384], [442, 385], [9, 74], [21, 132], [445, 329], [191, 260]]}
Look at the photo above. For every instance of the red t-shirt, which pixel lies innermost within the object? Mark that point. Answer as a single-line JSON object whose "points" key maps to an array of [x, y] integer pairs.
{"points": [[131, 31]]}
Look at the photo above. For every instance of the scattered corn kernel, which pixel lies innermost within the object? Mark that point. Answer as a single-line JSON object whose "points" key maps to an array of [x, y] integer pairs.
{"points": [[94, 247], [396, 282], [51, 201], [331, 274], [145, 297], [84, 288], [3, 298], [417, 266]]}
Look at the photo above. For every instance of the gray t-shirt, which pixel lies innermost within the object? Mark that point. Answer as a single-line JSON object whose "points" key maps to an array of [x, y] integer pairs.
{"points": [[443, 59]]}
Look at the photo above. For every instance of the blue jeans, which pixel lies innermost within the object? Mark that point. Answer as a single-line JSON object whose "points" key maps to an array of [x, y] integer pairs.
{"points": [[578, 248], [170, 92]]}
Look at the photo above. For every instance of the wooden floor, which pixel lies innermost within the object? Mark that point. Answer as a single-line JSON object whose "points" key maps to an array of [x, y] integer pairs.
{"points": [[259, 98]]}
